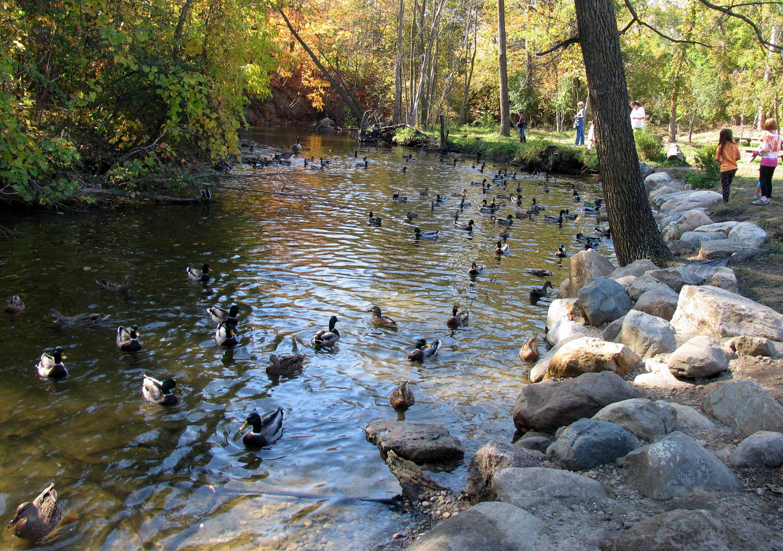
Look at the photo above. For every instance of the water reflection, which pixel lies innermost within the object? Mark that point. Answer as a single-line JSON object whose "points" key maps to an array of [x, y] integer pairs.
{"points": [[292, 247]]}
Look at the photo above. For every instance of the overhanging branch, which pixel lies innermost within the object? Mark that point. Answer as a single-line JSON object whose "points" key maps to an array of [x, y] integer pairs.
{"points": [[563, 44], [656, 31], [728, 11]]}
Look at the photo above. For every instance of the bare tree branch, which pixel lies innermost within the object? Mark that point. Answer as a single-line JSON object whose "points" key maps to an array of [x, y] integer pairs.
{"points": [[656, 31], [728, 11], [563, 44]]}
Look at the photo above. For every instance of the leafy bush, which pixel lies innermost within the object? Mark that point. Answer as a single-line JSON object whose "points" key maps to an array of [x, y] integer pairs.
{"points": [[709, 169], [649, 146]]}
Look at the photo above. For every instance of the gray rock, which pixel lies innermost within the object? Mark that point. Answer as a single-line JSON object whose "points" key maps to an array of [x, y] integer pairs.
{"points": [[724, 278], [718, 313], [675, 278], [552, 404], [588, 443], [711, 250], [417, 442], [612, 331], [701, 356], [675, 465], [602, 300], [661, 193], [655, 179], [541, 368], [689, 419], [748, 234], [534, 441], [689, 221], [680, 248], [658, 302], [536, 486], [644, 284], [761, 449], [722, 227], [647, 335], [636, 268], [490, 459], [745, 406], [689, 200], [626, 281], [641, 417], [752, 346], [645, 169], [591, 355], [565, 322], [695, 238], [586, 265], [564, 291], [677, 530], [489, 525]]}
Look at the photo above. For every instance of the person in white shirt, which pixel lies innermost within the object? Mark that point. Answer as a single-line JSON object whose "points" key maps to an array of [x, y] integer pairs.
{"points": [[637, 115]]}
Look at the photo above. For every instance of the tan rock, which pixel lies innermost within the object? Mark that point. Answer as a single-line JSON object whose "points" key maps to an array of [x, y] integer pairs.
{"points": [[592, 355]]}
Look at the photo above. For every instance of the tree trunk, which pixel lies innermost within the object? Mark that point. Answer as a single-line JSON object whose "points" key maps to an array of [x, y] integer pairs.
{"points": [[505, 125], [397, 116], [470, 73], [767, 74], [425, 62], [634, 230], [679, 65]]}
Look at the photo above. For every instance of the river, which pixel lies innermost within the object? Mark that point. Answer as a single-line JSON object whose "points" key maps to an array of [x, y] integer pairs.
{"points": [[134, 475]]}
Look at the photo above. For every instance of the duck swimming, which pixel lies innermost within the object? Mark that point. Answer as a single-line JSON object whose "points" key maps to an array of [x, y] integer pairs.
{"points": [[561, 252], [424, 351], [297, 147], [466, 227], [52, 366], [14, 305], [159, 392], [285, 364], [327, 338], [507, 221], [537, 293], [82, 320], [219, 315], [109, 285], [540, 273], [402, 397], [225, 335], [379, 320], [555, 219], [373, 220], [502, 248], [429, 234], [459, 318], [201, 275], [475, 269], [266, 431], [128, 339], [38, 519]]}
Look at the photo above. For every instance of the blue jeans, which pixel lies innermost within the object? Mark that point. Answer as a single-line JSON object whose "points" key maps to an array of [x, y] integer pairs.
{"points": [[522, 135], [580, 132]]}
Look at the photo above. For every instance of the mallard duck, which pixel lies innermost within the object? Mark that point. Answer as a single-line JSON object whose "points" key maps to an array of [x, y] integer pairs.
{"points": [[397, 198], [36, 520], [463, 204], [540, 273], [466, 227], [225, 335], [577, 198], [325, 163], [582, 238], [569, 216], [219, 315], [206, 193], [425, 193], [411, 216], [537, 293], [459, 318], [505, 234], [159, 392], [52, 366], [284, 364], [555, 219], [605, 233], [507, 221], [266, 431], [297, 147], [429, 234], [402, 397], [492, 207], [327, 338], [593, 208], [524, 215], [475, 269], [113, 286], [501, 184], [201, 275], [128, 339], [82, 320], [373, 220], [487, 189], [461, 194], [363, 164], [424, 351], [502, 248], [529, 352], [14, 305], [481, 183], [404, 169], [517, 200], [379, 320], [561, 252]]}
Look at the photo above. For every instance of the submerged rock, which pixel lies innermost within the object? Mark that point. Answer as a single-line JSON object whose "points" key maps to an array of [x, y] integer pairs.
{"points": [[417, 442]]}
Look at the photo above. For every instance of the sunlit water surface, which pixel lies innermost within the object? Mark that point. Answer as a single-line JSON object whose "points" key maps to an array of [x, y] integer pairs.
{"points": [[139, 476]]}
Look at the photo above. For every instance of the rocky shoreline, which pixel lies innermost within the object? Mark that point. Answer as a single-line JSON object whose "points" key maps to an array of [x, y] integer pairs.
{"points": [[652, 422]]}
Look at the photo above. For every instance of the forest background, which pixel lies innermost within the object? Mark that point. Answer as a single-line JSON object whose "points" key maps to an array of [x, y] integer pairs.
{"points": [[136, 94]]}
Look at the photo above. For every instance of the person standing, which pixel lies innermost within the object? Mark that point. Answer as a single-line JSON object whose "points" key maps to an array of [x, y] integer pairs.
{"points": [[579, 123], [638, 114], [521, 126], [727, 155], [768, 149], [591, 135]]}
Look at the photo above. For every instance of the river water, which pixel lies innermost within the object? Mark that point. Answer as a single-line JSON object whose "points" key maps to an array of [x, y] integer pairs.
{"points": [[137, 476]]}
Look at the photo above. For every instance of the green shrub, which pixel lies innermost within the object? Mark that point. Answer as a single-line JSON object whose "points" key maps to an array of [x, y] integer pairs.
{"points": [[649, 146], [705, 161]]}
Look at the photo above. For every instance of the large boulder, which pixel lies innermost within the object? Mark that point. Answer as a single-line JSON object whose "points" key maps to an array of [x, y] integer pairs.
{"points": [[677, 530], [644, 284], [701, 356], [725, 278], [565, 322], [748, 234], [752, 346], [675, 465], [588, 443], [552, 404], [716, 312], [591, 355], [603, 299], [417, 442], [689, 419], [612, 331], [689, 200], [675, 278], [492, 458], [655, 179], [538, 441], [658, 302], [586, 265], [695, 238], [722, 227], [745, 406], [537, 486], [643, 418], [636, 268], [645, 169], [661, 194], [647, 335], [678, 247], [722, 248], [489, 525], [689, 221], [761, 449]]}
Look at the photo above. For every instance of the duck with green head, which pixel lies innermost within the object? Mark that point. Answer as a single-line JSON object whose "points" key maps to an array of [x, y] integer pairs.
{"points": [[159, 392], [52, 366], [128, 339], [459, 318], [226, 335], [201, 275], [424, 350], [36, 520], [325, 338], [221, 315], [266, 430]]}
